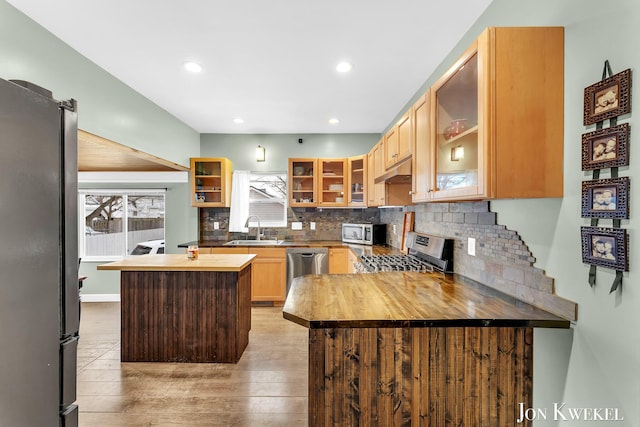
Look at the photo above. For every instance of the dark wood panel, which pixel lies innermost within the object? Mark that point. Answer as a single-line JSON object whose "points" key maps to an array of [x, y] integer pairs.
{"points": [[185, 316], [431, 377]]}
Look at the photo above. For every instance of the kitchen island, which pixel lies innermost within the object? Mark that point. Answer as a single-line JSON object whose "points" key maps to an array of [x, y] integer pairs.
{"points": [[178, 310], [400, 348]]}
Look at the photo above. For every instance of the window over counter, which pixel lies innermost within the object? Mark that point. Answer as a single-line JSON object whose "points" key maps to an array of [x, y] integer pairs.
{"points": [[268, 198], [116, 223]]}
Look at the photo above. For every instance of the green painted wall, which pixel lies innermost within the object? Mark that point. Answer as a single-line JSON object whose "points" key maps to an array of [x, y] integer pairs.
{"points": [[106, 106], [240, 148], [597, 364]]}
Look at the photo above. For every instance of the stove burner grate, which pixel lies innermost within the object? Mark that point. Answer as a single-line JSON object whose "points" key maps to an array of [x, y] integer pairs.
{"points": [[377, 263]]}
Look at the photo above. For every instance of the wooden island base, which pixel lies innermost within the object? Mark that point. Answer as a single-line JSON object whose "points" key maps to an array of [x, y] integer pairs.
{"points": [[415, 349], [178, 310], [185, 316], [458, 376]]}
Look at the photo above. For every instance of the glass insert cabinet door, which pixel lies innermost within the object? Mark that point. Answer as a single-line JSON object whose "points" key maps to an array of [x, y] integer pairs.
{"points": [[332, 182], [302, 182], [458, 149]]}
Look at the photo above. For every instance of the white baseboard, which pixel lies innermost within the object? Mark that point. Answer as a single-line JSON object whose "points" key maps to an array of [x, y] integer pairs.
{"points": [[100, 297]]}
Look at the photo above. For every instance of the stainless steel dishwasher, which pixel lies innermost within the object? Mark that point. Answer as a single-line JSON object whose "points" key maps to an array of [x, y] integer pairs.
{"points": [[301, 261]]}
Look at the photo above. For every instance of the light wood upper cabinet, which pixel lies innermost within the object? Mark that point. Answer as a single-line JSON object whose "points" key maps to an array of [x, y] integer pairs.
{"points": [[398, 142], [496, 127], [357, 183], [405, 137], [210, 182], [390, 147], [376, 192], [303, 182], [371, 194], [332, 181], [421, 165]]}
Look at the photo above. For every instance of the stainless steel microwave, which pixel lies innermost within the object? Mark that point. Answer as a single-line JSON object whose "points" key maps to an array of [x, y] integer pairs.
{"points": [[365, 234]]}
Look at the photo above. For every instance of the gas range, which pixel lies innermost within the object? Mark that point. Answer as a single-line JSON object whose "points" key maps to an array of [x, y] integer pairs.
{"points": [[427, 253]]}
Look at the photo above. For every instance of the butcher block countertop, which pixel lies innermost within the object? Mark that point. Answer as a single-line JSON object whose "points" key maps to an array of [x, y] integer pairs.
{"points": [[180, 262], [407, 299]]}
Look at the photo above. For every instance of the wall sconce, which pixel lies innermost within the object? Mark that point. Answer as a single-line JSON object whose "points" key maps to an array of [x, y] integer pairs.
{"points": [[260, 154], [457, 153]]}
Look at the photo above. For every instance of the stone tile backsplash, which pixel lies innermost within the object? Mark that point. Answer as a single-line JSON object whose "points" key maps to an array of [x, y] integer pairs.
{"points": [[328, 224], [503, 261]]}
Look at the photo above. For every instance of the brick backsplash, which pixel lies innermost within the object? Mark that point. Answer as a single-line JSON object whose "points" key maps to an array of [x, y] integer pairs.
{"points": [[503, 261]]}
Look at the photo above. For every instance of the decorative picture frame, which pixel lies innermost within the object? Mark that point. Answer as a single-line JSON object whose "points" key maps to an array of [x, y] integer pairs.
{"points": [[606, 198], [606, 148], [605, 247], [608, 98]]}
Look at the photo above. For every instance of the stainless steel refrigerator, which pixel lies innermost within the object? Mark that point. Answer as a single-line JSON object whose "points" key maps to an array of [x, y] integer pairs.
{"points": [[39, 301]]}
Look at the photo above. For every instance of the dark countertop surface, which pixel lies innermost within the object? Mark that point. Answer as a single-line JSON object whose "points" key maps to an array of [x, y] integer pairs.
{"points": [[405, 299]]}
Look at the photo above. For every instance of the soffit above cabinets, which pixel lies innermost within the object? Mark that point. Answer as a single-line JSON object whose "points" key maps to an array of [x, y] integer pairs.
{"points": [[97, 154]]}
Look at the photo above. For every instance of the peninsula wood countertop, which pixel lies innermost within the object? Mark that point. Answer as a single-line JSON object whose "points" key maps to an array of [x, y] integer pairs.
{"points": [[407, 299], [180, 262]]}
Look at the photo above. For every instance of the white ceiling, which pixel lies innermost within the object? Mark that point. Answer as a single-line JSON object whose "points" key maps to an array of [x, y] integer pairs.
{"points": [[271, 63]]}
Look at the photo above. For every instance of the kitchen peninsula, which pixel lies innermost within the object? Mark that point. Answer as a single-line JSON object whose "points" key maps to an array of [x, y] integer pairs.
{"points": [[400, 348], [178, 310]]}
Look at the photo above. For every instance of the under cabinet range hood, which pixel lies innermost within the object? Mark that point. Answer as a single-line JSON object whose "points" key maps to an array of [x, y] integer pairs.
{"points": [[399, 174]]}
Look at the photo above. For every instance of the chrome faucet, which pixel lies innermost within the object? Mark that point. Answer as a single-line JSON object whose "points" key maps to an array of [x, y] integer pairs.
{"points": [[246, 224]]}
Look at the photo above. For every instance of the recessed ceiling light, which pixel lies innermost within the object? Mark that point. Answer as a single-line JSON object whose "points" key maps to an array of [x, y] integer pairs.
{"points": [[344, 67], [194, 67], [238, 120], [333, 121]]}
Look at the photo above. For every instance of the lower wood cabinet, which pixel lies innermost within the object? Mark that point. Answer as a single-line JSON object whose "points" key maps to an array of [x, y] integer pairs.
{"points": [[224, 250], [269, 274], [341, 260]]}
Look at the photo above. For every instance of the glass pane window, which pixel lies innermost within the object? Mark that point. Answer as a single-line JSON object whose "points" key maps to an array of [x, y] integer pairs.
{"points": [[117, 224], [268, 198], [457, 129]]}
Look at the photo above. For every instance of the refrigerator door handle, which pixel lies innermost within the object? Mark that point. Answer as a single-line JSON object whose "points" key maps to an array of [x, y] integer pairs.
{"points": [[70, 315], [68, 370]]}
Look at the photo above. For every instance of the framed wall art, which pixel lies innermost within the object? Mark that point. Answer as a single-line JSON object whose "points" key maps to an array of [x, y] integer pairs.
{"points": [[606, 198], [606, 148], [605, 247], [608, 98]]}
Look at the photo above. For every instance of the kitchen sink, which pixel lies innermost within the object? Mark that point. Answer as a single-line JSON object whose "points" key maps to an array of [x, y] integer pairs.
{"points": [[254, 243]]}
